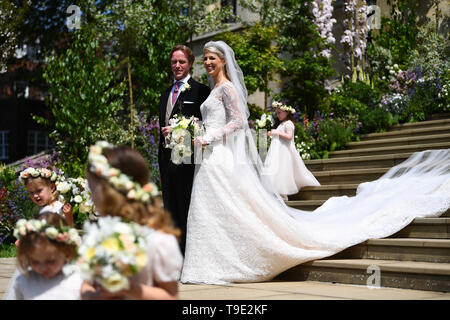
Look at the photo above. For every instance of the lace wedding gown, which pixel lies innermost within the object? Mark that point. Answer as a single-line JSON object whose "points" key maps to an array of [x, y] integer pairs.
{"points": [[238, 231]]}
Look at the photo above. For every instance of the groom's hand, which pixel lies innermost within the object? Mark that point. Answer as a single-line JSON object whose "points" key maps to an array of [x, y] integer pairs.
{"points": [[165, 131]]}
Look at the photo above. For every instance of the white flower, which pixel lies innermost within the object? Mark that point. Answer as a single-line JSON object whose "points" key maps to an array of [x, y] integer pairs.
{"points": [[121, 227], [115, 282], [74, 237], [78, 199], [34, 173], [51, 232], [178, 133], [75, 189], [63, 187], [21, 223], [186, 87], [86, 207]]}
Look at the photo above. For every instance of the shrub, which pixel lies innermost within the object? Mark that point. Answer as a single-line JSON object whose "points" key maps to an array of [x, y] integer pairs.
{"points": [[376, 120], [396, 104], [15, 203], [324, 134], [147, 143]]}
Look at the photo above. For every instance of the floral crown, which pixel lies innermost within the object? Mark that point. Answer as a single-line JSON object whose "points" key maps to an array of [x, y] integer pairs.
{"points": [[120, 181], [64, 234], [38, 172], [279, 105]]}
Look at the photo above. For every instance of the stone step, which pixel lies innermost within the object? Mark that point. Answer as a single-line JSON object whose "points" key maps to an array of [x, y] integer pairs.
{"points": [[405, 133], [441, 115], [306, 205], [426, 228], [311, 205], [324, 192], [389, 150], [422, 124], [400, 249], [395, 274], [312, 197], [348, 176], [357, 162], [402, 141]]}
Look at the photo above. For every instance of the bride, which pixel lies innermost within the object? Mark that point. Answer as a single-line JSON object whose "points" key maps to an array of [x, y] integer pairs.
{"points": [[240, 230]]}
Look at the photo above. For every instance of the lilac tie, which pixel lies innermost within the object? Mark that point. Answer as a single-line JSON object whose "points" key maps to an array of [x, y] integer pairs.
{"points": [[175, 92]]}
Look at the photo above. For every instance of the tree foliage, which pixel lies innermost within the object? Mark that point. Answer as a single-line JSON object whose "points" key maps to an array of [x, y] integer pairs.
{"points": [[85, 96], [398, 31], [257, 56], [305, 70]]}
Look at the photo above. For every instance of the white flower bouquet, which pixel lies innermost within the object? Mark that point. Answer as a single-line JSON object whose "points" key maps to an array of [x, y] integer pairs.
{"points": [[181, 129], [75, 191], [265, 122], [111, 252]]}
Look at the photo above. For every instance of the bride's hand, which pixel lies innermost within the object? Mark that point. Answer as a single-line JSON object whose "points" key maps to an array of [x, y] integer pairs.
{"points": [[199, 140]]}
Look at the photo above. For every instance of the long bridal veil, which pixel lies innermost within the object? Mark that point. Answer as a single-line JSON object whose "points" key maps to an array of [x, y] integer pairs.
{"points": [[418, 187]]}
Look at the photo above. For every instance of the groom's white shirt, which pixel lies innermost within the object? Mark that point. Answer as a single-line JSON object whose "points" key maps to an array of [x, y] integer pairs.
{"points": [[170, 106]]}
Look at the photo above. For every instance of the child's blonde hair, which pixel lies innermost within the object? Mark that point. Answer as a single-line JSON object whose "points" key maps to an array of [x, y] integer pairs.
{"points": [[115, 203], [31, 240]]}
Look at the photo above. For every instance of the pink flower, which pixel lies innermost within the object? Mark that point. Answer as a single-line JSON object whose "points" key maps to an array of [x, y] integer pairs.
{"points": [[62, 237], [47, 173]]}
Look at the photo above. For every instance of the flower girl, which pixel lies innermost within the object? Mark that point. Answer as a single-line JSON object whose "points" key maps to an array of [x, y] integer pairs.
{"points": [[41, 184], [45, 251], [118, 179], [283, 165]]}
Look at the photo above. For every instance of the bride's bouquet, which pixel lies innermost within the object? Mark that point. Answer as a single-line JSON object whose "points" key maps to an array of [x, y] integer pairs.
{"points": [[182, 128], [75, 191], [111, 252]]}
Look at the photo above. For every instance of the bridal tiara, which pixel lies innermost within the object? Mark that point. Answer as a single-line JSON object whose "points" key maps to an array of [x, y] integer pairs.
{"points": [[99, 165]]}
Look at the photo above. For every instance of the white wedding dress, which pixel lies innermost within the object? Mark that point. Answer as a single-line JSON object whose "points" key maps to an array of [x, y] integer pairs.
{"points": [[238, 231]]}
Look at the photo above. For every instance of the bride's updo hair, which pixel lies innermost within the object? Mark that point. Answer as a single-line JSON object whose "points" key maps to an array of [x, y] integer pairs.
{"points": [[115, 203], [213, 49]]}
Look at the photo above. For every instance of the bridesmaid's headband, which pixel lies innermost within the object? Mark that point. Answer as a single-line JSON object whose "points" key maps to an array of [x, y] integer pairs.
{"points": [[99, 165]]}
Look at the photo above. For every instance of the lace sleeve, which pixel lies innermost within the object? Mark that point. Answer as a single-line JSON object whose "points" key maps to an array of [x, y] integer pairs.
{"points": [[234, 117]]}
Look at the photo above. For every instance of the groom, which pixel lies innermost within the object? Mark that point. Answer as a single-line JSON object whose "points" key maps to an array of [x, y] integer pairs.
{"points": [[184, 96]]}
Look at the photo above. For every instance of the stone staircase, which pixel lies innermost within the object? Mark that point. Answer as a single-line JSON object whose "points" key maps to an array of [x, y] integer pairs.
{"points": [[418, 256]]}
